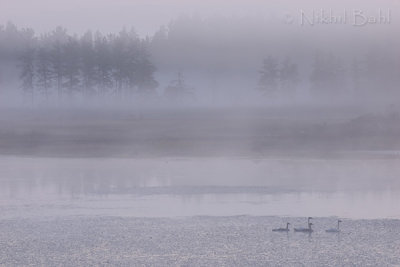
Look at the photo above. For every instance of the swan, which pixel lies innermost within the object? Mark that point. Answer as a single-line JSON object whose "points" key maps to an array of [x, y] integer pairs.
{"points": [[335, 230], [282, 229], [304, 230]]}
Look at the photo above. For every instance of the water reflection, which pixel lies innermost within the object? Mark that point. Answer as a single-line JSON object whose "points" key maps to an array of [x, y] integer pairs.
{"points": [[218, 187]]}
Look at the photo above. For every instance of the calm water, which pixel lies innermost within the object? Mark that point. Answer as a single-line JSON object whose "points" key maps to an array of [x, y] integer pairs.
{"points": [[358, 189], [127, 212]]}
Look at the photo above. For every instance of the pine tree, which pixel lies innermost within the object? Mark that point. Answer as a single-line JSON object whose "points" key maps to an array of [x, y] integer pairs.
{"points": [[177, 90], [103, 63], [43, 71], [27, 61], [58, 38], [71, 66], [288, 77], [268, 82], [28, 71], [88, 72], [122, 54], [144, 72]]}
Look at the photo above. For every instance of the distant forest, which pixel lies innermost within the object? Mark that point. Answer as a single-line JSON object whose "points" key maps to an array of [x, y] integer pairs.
{"points": [[92, 64], [58, 65]]}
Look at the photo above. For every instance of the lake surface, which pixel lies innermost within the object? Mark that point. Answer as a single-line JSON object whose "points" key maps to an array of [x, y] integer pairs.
{"points": [[198, 212], [44, 187], [195, 241]]}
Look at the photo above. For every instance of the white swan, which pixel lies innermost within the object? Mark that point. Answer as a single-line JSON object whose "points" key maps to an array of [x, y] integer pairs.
{"points": [[305, 230], [282, 229], [335, 230]]}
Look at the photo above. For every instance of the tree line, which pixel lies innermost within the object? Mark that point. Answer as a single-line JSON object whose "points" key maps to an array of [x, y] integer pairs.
{"points": [[374, 74], [364, 69], [123, 65], [61, 65]]}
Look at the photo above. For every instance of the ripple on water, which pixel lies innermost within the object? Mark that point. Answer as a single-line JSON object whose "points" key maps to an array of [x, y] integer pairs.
{"points": [[239, 240]]}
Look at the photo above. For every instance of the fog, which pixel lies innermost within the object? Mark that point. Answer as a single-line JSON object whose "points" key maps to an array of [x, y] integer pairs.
{"points": [[147, 16], [183, 132], [342, 51]]}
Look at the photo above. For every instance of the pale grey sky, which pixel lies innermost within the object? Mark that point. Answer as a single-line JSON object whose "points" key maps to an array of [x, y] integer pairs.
{"points": [[147, 15]]}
